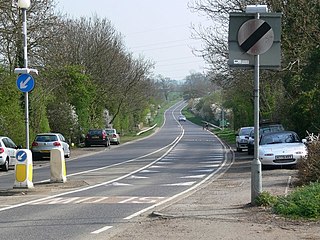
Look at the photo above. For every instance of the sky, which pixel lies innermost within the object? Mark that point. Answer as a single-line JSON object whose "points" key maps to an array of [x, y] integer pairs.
{"points": [[158, 30]]}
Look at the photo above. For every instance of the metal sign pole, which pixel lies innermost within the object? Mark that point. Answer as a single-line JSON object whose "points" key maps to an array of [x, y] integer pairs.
{"points": [[25, 55], [256, 175]]}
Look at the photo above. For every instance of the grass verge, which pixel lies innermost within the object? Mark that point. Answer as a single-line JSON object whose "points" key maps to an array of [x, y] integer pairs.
{"points": [[302, 203]]}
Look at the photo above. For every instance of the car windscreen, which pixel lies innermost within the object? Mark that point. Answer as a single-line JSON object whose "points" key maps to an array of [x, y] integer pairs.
{"points": [[245, 131], [279, 138], [46, 138]]}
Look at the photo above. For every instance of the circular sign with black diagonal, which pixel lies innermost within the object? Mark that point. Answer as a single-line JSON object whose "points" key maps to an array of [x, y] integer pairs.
{"points": [[255, 36]]}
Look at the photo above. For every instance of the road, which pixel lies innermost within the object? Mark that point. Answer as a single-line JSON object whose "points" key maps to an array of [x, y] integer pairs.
{"points": [[106, 190]]}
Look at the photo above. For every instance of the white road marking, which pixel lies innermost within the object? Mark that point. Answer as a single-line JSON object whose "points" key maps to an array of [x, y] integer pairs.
{"points": [[138, 177], [212, 175], [211, 162], [195, 176], [156, 166], [180, 184], [210, 166], [203, 170], [102, 230], [117, 184], [172, 144], [163, 162], [149, 171]]}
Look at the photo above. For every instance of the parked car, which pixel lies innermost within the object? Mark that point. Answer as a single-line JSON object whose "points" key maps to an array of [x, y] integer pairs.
{"points": [[242, 138], [281, 148], [113, 135], [8, 150], [265, 127], [182, 118], [45, 142], [97, 137]]}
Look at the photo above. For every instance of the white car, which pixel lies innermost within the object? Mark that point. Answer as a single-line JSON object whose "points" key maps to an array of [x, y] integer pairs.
{"points": [[182, 118], [281, 148], [242, 138], [8, 150]]}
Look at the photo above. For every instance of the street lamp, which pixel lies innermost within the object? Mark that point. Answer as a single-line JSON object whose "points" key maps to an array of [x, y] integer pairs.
{"points": [[24, 5]]}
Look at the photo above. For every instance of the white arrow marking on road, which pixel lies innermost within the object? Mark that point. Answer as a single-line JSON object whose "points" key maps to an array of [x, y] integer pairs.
{"points": [[23, 84], [21, 156]]}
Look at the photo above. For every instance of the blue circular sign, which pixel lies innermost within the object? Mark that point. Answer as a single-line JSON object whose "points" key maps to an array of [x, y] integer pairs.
{"points": [[25, 82], [21, 156]]}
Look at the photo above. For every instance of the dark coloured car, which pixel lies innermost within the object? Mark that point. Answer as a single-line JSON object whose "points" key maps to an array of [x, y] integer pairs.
{"points": [[97, 137]]}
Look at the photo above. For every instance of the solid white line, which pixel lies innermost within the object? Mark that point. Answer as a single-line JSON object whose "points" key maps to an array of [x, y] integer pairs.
{"points": [[102, 230]]}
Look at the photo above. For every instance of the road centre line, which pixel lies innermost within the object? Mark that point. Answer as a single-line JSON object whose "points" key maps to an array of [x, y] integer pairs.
{"points": [[178, 123]]}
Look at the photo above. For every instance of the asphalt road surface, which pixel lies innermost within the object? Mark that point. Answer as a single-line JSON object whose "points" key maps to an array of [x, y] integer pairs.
{"points": [[106, 190]]}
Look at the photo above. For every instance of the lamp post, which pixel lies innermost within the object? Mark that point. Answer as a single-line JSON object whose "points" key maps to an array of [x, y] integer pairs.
{"points": [[24, 5], [256, 169]]}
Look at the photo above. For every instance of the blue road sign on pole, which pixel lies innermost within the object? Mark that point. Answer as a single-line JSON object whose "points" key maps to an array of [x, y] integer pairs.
{"points": [[25, 83], [21, 156]]}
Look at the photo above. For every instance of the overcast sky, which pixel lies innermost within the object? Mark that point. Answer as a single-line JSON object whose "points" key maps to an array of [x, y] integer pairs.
{"points": [[159, 30]]}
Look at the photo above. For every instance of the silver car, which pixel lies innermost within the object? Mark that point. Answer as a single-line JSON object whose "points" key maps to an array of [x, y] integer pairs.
{"points": [[45, 142], [113, 135]]}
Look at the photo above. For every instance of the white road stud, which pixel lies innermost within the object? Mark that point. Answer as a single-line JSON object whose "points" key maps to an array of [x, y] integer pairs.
{"points": [[23, 169], [57, 166]]}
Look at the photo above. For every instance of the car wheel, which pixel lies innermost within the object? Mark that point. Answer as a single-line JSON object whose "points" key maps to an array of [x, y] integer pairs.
{"points": [[5, 166], [67, 155]]}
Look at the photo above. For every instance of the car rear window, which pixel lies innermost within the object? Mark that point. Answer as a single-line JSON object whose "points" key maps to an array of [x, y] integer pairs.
{"points": [[46, 138], [95, 132], [110, 131]]}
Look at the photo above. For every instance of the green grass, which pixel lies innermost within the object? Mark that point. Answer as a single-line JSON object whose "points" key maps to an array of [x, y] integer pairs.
{"points": [[226, 135], [159, 119], [304, 202], [191, 117]]}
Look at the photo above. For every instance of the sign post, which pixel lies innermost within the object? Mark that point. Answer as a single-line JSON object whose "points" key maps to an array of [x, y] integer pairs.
{"points": [[255, 36], [26, 82]]}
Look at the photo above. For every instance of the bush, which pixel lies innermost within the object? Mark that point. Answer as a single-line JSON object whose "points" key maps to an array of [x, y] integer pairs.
{"points": [[265, 199], [309, 168]]}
